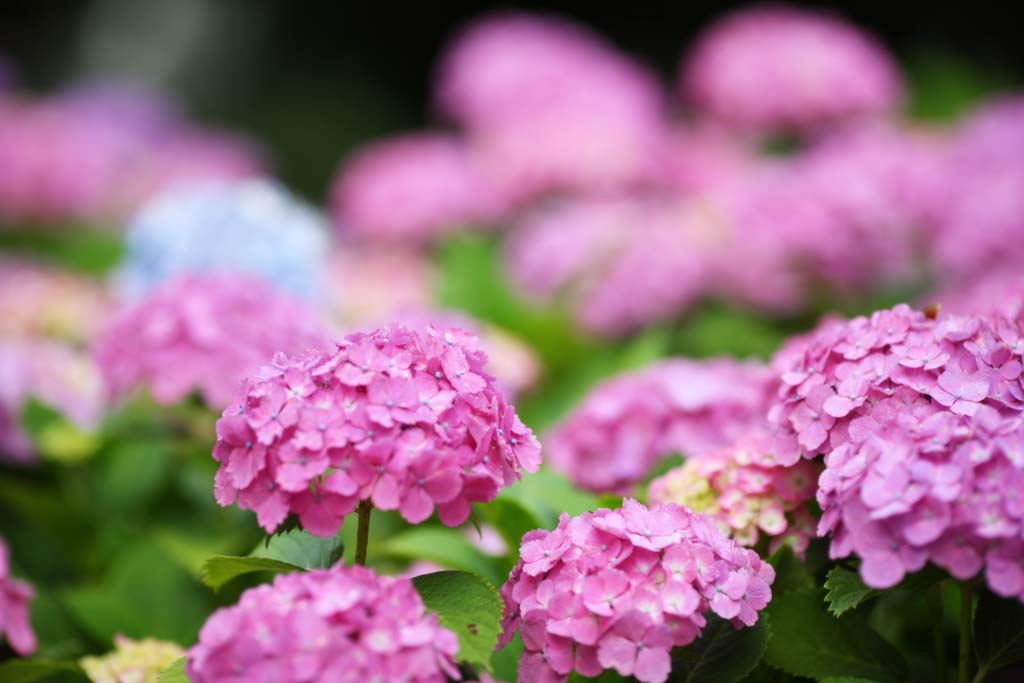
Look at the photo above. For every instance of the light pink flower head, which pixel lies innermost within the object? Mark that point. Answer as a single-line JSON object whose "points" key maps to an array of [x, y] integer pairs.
{"points": [[619, 264], [416, 187], [53, 373], [746, 492], [36, 300], [630, 422], [919, 420], [549, 106], [779, 68], [372, 283], [618, 589], [405, 418], [999, 292], [203, 333], [345, 624], [14, 599]]}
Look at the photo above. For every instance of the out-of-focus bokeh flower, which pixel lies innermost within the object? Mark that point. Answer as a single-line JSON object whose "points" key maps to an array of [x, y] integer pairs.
{"points": [[203, 333], [15, 597], [372, 284], [618, 589], [781, 69], [406, 418], [1000, 292], [132, 661], [96, 155], [253, 228], [548, 106], [37, 300], [414, 188], [627, 424], [343, 624]]}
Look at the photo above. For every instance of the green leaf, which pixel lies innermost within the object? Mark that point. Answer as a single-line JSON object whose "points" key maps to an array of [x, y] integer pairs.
{"points": [[302, 549], [221, 569], [790, 573], [846, 591], [31, 670], [808, 641], [54, 436], [724, 653], [175, 673], [469, 606], [446, 547], [998, 632], [133, 473]]}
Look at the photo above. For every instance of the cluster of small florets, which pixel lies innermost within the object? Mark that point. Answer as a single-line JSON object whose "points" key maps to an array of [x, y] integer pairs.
{"points": [[405, 418], [256, 228], [744, 489], [920, 422], [97, 153], [132, 661], [343, 624], [618, 589], [14, 599], [203, 333], [629, 423], [779, 68]]}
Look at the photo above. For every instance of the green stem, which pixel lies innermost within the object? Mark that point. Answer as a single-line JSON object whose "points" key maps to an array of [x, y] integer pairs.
{"points": [[363, 530], [966, 603], [934, 597]]}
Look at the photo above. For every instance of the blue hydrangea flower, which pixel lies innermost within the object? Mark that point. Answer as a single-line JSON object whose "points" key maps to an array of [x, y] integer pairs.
{"points": [[254, 227]]}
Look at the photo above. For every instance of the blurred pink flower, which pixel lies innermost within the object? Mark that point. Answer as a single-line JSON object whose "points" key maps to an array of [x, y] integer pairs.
{"points": [[14, 600], [343, 624], [205, 334], [37, 300], [618, 589], [999, 292], [405, 418], [777, 68], [630, 422]]}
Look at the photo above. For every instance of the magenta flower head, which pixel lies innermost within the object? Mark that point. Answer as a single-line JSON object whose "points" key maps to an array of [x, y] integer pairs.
{"points": [[14, 599], [203, 333], [746, 492], [416, 187], [344, 624], [406, 419], [778, 68], [618, 589], [627, 424], [550, 106], [919, 419]]}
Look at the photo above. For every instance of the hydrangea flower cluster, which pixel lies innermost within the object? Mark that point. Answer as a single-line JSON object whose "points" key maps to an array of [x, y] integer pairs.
{"points": [[91, 156], [202, 333], [36, 300], [132, 661], [415, 187], [743, 489], [617, 589], [770, 69], [254, 227], [549, 106], [405, 418], [14, 599], [1000, 292], [678, 406], [920, 422], [52, 373], [343, 624]]}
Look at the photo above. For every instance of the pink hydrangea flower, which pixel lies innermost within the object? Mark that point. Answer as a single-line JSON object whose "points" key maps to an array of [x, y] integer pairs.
{"points": [[628, 423], [14, 599], [36, 300], [920, 422], [620, 263], [203, 333], [999, 292], [782, 68], [415, 187], [617, 589], [746, 492], [343, 624], [53, 373], [551, 107], [406, 418]]}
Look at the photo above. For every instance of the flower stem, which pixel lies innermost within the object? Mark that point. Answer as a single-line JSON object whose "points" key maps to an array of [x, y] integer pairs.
{"points": [[966, 603], [363, 530], [934, 597]]}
